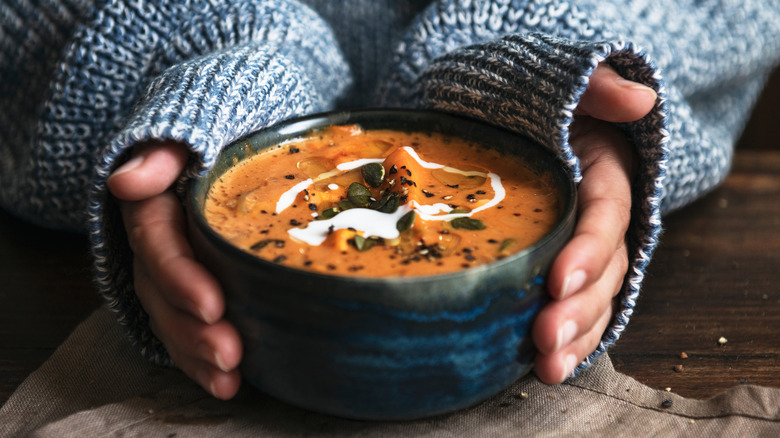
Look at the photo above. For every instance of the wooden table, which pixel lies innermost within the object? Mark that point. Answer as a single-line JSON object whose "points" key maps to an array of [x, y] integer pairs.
{"points": [[716, 274]]}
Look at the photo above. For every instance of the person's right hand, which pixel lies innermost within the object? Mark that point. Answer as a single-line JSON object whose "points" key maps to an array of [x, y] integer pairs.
{"points": [[184, 301], [590, 271]]}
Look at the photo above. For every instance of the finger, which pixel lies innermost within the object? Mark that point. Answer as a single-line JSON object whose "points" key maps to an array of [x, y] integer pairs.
{"points": [[557, 367], [209, 354], [612, 98], [604, 216], [155, 231], [151, 170], [560, 323]]}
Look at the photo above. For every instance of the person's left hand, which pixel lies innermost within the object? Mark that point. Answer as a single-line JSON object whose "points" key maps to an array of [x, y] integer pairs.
{"points": [[590, 270], [184, 301]]}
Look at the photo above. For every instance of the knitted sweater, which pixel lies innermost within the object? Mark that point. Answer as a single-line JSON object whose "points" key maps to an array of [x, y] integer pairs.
{"points": [[82, 81]]}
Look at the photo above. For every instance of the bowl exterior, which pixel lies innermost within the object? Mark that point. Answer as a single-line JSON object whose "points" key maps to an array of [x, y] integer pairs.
{"points": [[395, 348]]}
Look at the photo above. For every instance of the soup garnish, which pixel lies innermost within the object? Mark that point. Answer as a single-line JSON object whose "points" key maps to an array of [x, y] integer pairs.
{"points": [[381, 203]]}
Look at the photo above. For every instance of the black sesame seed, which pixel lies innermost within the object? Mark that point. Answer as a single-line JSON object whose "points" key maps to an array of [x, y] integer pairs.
{"points": [[289, 176]]}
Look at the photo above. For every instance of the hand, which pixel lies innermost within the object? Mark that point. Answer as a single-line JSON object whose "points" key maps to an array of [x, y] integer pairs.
{"points": [[589, 272], [184, 301]]}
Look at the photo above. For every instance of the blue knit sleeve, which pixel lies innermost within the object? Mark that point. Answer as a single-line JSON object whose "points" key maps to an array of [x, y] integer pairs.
{"points": [[202, 73], [524, 65]]}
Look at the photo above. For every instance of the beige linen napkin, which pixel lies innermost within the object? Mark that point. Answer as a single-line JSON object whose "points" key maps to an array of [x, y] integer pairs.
{"points": [[96, 385]]}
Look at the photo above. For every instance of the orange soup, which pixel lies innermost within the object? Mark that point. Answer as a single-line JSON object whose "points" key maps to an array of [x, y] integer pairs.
{"points": [[381, 203]]}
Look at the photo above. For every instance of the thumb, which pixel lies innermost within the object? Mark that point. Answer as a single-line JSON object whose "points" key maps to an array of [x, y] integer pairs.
{"points": [[150, 171], [612, 98]]}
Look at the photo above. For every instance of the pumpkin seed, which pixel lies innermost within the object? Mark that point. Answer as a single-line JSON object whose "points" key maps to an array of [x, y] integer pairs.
{"points": [[387, 204], [405, 222], [373, 174], [345, 205], [359, 194], [263, 243], [506, 244], [363, 244], [467, 223], [329, 213]]}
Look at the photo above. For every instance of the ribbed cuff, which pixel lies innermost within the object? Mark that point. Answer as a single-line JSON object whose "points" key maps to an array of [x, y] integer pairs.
{"points": [[206, 102], [531, 84]]}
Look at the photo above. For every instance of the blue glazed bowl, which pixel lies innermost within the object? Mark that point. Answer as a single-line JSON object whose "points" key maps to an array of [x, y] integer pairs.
{"points": [[384, 348]]}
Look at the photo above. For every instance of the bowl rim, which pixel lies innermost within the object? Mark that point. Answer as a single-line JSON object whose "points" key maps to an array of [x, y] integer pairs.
{"points": [[299, 127]]}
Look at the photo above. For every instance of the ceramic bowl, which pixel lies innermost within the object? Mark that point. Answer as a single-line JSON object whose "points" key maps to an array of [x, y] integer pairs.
{"points": [[384, 348]]}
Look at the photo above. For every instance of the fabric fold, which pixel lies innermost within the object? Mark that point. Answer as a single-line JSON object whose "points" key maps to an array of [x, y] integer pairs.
{"points": [[76, 393]]}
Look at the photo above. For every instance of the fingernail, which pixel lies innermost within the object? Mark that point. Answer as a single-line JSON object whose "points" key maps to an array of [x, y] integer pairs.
{"points": [[205, 316], [573, 283], [566, 334], [631, 85], [206, 352], [220, 362], [569, 365], [199, 311], [129, 165], [205, 380]]}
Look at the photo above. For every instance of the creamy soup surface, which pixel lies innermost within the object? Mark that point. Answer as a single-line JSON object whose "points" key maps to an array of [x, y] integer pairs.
{"points": [[381, 203]]}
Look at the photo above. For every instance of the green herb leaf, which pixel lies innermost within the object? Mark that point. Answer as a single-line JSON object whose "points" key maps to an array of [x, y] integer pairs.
{"points": [[359, 194], [405, 222], [467, 223], [373, 174]]}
